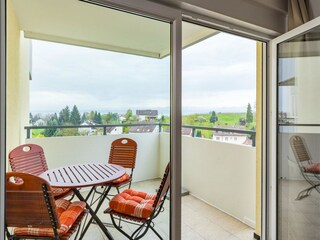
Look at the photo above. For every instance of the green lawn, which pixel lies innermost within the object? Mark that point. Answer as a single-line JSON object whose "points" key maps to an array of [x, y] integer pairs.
{"points": [[224, 119]]}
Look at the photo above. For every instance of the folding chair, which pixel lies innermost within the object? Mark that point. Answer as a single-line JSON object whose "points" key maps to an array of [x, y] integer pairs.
{"points": [[309, 170], [123, 152], [33, 213], [30, 158], [139, 208]]}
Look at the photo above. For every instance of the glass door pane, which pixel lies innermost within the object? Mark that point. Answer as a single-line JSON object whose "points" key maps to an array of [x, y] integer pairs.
{"points": [[299, 137], [99, 74]]}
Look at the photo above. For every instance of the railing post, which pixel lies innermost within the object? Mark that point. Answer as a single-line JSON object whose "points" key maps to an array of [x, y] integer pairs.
{"points": [[194, 133], [160, 127], [104, 130], [253, 135], [28, 132]]}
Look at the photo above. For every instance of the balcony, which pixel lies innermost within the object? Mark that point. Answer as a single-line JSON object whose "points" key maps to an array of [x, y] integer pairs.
{"points": [[215, 173]]}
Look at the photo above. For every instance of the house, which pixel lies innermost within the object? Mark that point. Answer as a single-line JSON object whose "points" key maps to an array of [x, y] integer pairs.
{"points": [[184, 131], [143, 128], [114, 130], [147, 115], [40, 122], [230, 137], [262, 21]]}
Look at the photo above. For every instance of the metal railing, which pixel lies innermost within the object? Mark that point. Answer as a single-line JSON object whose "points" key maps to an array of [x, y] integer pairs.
{"points": [[251, 133]]}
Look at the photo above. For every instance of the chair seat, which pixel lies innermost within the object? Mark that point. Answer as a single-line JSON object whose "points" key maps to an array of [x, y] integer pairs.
{"points": [[314, 168], [57, 191], [67, 212], [133, 203], [122, 179]]}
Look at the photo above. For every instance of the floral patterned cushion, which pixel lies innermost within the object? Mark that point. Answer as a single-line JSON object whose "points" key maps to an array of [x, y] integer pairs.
{"points": [[133, 203]]}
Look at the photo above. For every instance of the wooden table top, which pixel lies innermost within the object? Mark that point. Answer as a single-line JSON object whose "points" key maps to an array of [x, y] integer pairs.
{"points": [[83, 175]]}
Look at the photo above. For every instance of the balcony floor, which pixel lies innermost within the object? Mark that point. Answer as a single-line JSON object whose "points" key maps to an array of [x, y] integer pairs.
{"points": [[200, 221]]}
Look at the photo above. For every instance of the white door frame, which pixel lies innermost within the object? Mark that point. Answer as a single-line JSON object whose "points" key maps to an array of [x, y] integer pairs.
{"points": [[272, 126], [143, 8]]}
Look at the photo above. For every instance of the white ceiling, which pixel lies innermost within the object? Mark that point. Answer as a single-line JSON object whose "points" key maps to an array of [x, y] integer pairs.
{"points": [[78, 23]]}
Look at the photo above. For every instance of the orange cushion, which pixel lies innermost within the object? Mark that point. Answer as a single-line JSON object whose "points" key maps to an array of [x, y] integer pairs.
{"points": [[59, 191], [133, 203], [67, 218], [62, 205], [315, 168], [125, 177]]}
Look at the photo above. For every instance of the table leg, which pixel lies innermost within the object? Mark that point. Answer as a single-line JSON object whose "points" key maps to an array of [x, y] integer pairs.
{"points": [[94, 213]]}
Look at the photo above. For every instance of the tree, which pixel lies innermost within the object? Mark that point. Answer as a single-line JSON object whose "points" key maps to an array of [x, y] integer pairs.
{"points": [[249, 116], [242, 122], [49, 132], [199, 134], [97, 118], [30, 118], [64, 116], [201, 119], [75, 116], [128, 114], [84, 117], [213, 117]]}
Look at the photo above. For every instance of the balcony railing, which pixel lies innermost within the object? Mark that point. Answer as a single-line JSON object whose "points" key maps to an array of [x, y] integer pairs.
{"points": [[251, 133]]}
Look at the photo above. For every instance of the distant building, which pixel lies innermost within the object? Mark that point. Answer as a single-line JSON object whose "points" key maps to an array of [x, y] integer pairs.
{"points": [[40, 122], [231, 137], [146, 115], [92, 130], [184, 131], [144, 129], [114, 130]]}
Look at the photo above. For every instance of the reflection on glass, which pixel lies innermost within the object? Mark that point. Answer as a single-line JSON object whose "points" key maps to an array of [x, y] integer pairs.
{"points": [[299, 137]]}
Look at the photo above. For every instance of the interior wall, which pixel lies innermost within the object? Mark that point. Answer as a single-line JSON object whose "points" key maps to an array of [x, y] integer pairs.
{"points": [[314, 8], [270, 15], [17, 81]]}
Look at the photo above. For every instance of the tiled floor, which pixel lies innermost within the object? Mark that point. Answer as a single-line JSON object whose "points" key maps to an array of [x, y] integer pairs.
{"points": [[200, 221], [299, 219]]}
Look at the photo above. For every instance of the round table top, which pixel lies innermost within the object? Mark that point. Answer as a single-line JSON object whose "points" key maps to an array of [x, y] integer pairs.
{"points": [[83, 175]]}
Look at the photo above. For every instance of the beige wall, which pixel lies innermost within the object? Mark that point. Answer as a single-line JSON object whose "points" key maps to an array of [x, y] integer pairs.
{"points": [[62, 151], [17, 81], [221, 174]]}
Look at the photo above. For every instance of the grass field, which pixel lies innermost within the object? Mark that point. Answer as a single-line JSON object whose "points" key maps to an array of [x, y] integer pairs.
{"points": [[224, 119]]}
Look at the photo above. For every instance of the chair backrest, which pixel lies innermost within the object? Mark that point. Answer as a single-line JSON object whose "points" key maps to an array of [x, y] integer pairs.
{"points": [[299, 149], [28, 158], [163, 189], [123, 152], [28, 201]]}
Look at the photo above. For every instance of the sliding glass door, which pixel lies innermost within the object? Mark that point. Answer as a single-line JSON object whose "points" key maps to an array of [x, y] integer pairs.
{"points": [[298, 133]]}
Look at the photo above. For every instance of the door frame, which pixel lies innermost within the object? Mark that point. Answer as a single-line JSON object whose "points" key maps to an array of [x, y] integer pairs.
{"points": [[271, 187], [142, 8]]}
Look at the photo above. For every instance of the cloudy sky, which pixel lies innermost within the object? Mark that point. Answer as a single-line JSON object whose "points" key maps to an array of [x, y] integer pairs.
{"points": [[218, 74]]}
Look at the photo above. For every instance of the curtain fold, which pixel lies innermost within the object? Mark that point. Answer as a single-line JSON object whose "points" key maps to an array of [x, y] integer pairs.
{"points": [[298, 13]]}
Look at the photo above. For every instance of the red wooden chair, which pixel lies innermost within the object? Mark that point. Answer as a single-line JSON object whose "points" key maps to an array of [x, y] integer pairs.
{"points": [[139, 208], [33, 213], [123, 152], [30, 158], [309, 170]]}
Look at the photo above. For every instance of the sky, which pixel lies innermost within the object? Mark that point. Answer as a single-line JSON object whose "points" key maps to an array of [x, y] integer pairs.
{"points": [[218, 74]]}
